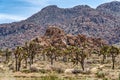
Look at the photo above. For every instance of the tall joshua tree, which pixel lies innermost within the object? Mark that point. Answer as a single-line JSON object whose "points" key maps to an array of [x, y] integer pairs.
{"points": [[18, 57], [78, 55], [26, 53], [114, 51], [33, 48]]}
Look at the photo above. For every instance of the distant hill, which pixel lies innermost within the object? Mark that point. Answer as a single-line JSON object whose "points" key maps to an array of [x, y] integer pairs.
{"points": [[103, 22]]}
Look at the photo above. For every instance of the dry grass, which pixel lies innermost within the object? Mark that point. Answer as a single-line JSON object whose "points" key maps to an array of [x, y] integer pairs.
{"points": [[105, 73]]}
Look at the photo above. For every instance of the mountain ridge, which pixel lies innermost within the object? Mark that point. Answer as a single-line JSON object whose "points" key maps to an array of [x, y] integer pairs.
{"points": [[81, 19]]}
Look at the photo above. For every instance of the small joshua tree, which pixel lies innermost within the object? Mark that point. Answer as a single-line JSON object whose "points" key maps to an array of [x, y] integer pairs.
{"points": [[104, 51]]}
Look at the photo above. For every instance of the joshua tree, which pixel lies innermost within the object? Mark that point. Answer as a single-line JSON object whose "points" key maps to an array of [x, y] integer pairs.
{"points": [[114, 51], [18, 57], [66, 52], [83, 54], [26, 53], [78, 55], [104, 51], [43, 52], [76, 52], [31, 52], [7, 54], [58, 53], [33, 49], [51, 50]]}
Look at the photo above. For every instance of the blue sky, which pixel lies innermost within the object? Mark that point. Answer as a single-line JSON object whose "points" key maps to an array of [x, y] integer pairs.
{"points": [[16, 10]]}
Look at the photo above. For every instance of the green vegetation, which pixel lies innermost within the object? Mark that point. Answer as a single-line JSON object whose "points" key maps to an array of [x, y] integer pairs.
{"points": [[76, 54]]}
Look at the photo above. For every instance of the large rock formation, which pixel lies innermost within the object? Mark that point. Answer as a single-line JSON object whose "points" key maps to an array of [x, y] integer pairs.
{"points": [[56, 37]]}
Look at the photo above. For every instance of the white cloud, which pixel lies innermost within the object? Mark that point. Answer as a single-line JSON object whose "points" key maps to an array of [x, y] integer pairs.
{"points": [[6, 18], [11, 17]]}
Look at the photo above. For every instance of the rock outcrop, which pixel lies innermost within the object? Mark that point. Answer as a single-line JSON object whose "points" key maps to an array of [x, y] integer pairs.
{"points": [[56, 37]]}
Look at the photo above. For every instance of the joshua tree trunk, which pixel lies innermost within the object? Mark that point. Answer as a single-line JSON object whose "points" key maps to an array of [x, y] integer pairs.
{"points": [[19, 65], [82, 63], [16, 64], [113, 61], [30, 64], [32, 59], [104, 58], [51, 59], [6, 57], [26, 63], [77, 59]]}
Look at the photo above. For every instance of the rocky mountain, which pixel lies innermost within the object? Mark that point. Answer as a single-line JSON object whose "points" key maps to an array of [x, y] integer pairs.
{"points": [[102, 22], [112, 8]]}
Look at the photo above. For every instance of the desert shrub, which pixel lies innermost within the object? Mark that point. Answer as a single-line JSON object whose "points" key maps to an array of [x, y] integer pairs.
{"points": [[100, 74]]}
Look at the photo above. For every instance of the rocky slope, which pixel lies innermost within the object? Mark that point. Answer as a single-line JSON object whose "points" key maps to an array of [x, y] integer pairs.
{"points": [[57, 37], [103, 22]]}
